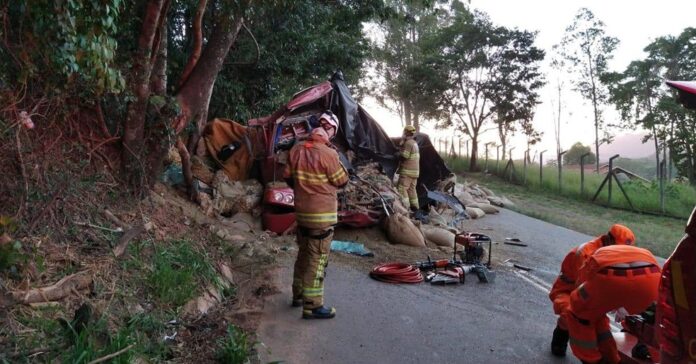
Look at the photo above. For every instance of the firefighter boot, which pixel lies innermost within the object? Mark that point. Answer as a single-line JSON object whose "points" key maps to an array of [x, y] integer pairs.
{"points": [[297, 301], [320, 312], [559, 343]]}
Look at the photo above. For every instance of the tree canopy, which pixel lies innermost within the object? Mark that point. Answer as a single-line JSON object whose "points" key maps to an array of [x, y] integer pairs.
{"points": [[572, 157]]}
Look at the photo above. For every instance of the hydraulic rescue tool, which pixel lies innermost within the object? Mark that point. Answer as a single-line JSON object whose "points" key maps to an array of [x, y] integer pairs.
{"points": [[470, 260]]}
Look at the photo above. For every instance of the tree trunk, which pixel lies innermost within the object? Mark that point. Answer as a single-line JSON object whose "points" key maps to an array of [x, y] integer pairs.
{"points": [[690, 173], [407, 112], [194, 95], [134, 167], [197, 42], [158, 79], [657, 152], [416, 120], [596, 130], [474, 154]]}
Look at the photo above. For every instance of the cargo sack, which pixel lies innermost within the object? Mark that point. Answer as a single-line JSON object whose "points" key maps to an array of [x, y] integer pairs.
{"points": [[440, 237], [401, 230], [487, 208], [475, 212]]}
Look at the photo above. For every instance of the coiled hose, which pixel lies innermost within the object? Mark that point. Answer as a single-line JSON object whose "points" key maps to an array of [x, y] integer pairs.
{"points": [[396, 273]]}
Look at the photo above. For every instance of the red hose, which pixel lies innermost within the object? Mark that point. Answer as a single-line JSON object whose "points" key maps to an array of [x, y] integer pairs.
{"points": [[396, 273]]}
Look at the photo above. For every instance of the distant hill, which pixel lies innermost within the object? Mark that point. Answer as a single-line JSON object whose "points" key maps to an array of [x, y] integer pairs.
{"points": [[628, 146]]}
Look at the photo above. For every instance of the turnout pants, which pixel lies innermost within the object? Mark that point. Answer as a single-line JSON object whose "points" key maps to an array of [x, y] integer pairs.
{"points": [[407, 189], [609, 289], [312, 259]]}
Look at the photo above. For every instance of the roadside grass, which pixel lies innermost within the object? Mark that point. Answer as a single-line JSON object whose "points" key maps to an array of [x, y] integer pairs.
{"points": [[656, 233], [645, 197], [71, 342], [234, 348], [163, 276], [179, 272]]}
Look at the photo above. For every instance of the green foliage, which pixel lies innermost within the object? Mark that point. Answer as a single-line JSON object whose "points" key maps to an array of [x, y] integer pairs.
{"points": [[95, 341], [178, 272], [572, 157], [11, 256], [234, 348], [493, 75], [679, 199], [63, 45], [301, 43], [643, 100], [585, 51], [149, 329], [409, 74]]}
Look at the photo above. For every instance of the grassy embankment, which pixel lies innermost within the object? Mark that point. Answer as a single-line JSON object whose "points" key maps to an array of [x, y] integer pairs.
{"points": [[571, 210]]}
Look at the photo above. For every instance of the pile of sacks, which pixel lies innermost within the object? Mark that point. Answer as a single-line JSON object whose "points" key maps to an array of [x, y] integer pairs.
{"points": [[479, 200]]}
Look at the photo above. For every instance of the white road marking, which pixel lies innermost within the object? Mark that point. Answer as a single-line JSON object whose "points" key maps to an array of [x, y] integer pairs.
{"points": [[546, 288]]}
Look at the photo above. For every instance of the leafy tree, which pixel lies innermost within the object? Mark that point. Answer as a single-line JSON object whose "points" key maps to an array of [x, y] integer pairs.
{"points": [[587, 50], [572, 157], [642, 99], [493, 75], [151, 72], [410, 72], [636, 93]]}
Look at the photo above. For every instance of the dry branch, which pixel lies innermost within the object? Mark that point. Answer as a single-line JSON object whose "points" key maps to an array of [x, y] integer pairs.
{"points": [[112, 355], [54, 292], [131, 234]]}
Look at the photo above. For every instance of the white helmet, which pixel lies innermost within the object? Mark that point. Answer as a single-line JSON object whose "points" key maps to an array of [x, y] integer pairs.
{"points": [[330, 118]]}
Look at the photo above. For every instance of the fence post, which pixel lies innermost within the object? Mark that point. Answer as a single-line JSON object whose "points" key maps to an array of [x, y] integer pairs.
{"points": [[609, 174], [582, 174], [497, 158], [541, 168], [524, 168], [486, 168], [560, 170]]}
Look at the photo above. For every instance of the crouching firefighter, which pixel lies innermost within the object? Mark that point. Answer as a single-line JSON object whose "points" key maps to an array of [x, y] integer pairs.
{"points": [[409, 168], [315, 173], [620, 278], [567, 281]]}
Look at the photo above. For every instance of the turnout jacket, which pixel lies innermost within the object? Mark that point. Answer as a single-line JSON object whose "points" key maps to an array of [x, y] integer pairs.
{"points": [[410, 158], [316, 173], [570, 268]]}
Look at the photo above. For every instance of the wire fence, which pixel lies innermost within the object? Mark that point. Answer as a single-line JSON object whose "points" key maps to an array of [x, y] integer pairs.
{"points": [[613, 186]]}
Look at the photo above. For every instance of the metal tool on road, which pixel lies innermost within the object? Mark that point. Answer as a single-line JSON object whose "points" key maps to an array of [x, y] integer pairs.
{"points": [[470, 261]]}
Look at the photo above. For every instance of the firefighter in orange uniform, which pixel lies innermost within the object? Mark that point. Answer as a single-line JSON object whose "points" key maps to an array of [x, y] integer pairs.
{"points": [[567, 282], [315, 173], [618, 277], [409, 168]]}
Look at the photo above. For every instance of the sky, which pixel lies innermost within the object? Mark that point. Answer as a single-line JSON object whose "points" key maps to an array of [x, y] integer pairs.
{"points": [[634, 23]]}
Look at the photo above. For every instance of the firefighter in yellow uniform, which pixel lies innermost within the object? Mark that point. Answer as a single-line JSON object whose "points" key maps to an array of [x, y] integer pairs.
{"points": [[315, 173], [409, 168]]}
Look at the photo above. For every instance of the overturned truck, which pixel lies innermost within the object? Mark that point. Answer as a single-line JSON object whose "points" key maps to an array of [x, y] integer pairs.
{"points": [[362, 144]]}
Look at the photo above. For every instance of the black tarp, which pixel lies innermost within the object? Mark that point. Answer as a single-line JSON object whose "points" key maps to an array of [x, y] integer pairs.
{"points": [[361, 133]]}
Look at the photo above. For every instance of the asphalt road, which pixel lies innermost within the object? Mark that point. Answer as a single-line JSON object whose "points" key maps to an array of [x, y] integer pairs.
{"points": [[509, 321]]}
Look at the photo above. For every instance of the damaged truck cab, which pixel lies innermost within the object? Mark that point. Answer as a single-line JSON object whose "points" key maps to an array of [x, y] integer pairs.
{"points": [[360, 140]]}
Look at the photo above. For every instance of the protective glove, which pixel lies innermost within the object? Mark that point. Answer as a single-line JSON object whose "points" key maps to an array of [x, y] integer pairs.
{"points": [[620, 314]]}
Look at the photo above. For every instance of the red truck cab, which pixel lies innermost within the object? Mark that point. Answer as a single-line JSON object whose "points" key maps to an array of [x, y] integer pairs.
{"points": [[272, 138]]}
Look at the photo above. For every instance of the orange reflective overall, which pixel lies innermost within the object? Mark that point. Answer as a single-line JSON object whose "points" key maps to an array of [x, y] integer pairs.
{"points": [[613, 277]]}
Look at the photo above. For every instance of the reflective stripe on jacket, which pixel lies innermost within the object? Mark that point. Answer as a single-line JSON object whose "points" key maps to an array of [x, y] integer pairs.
{"points": [[317, 173], [410, 159]]}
